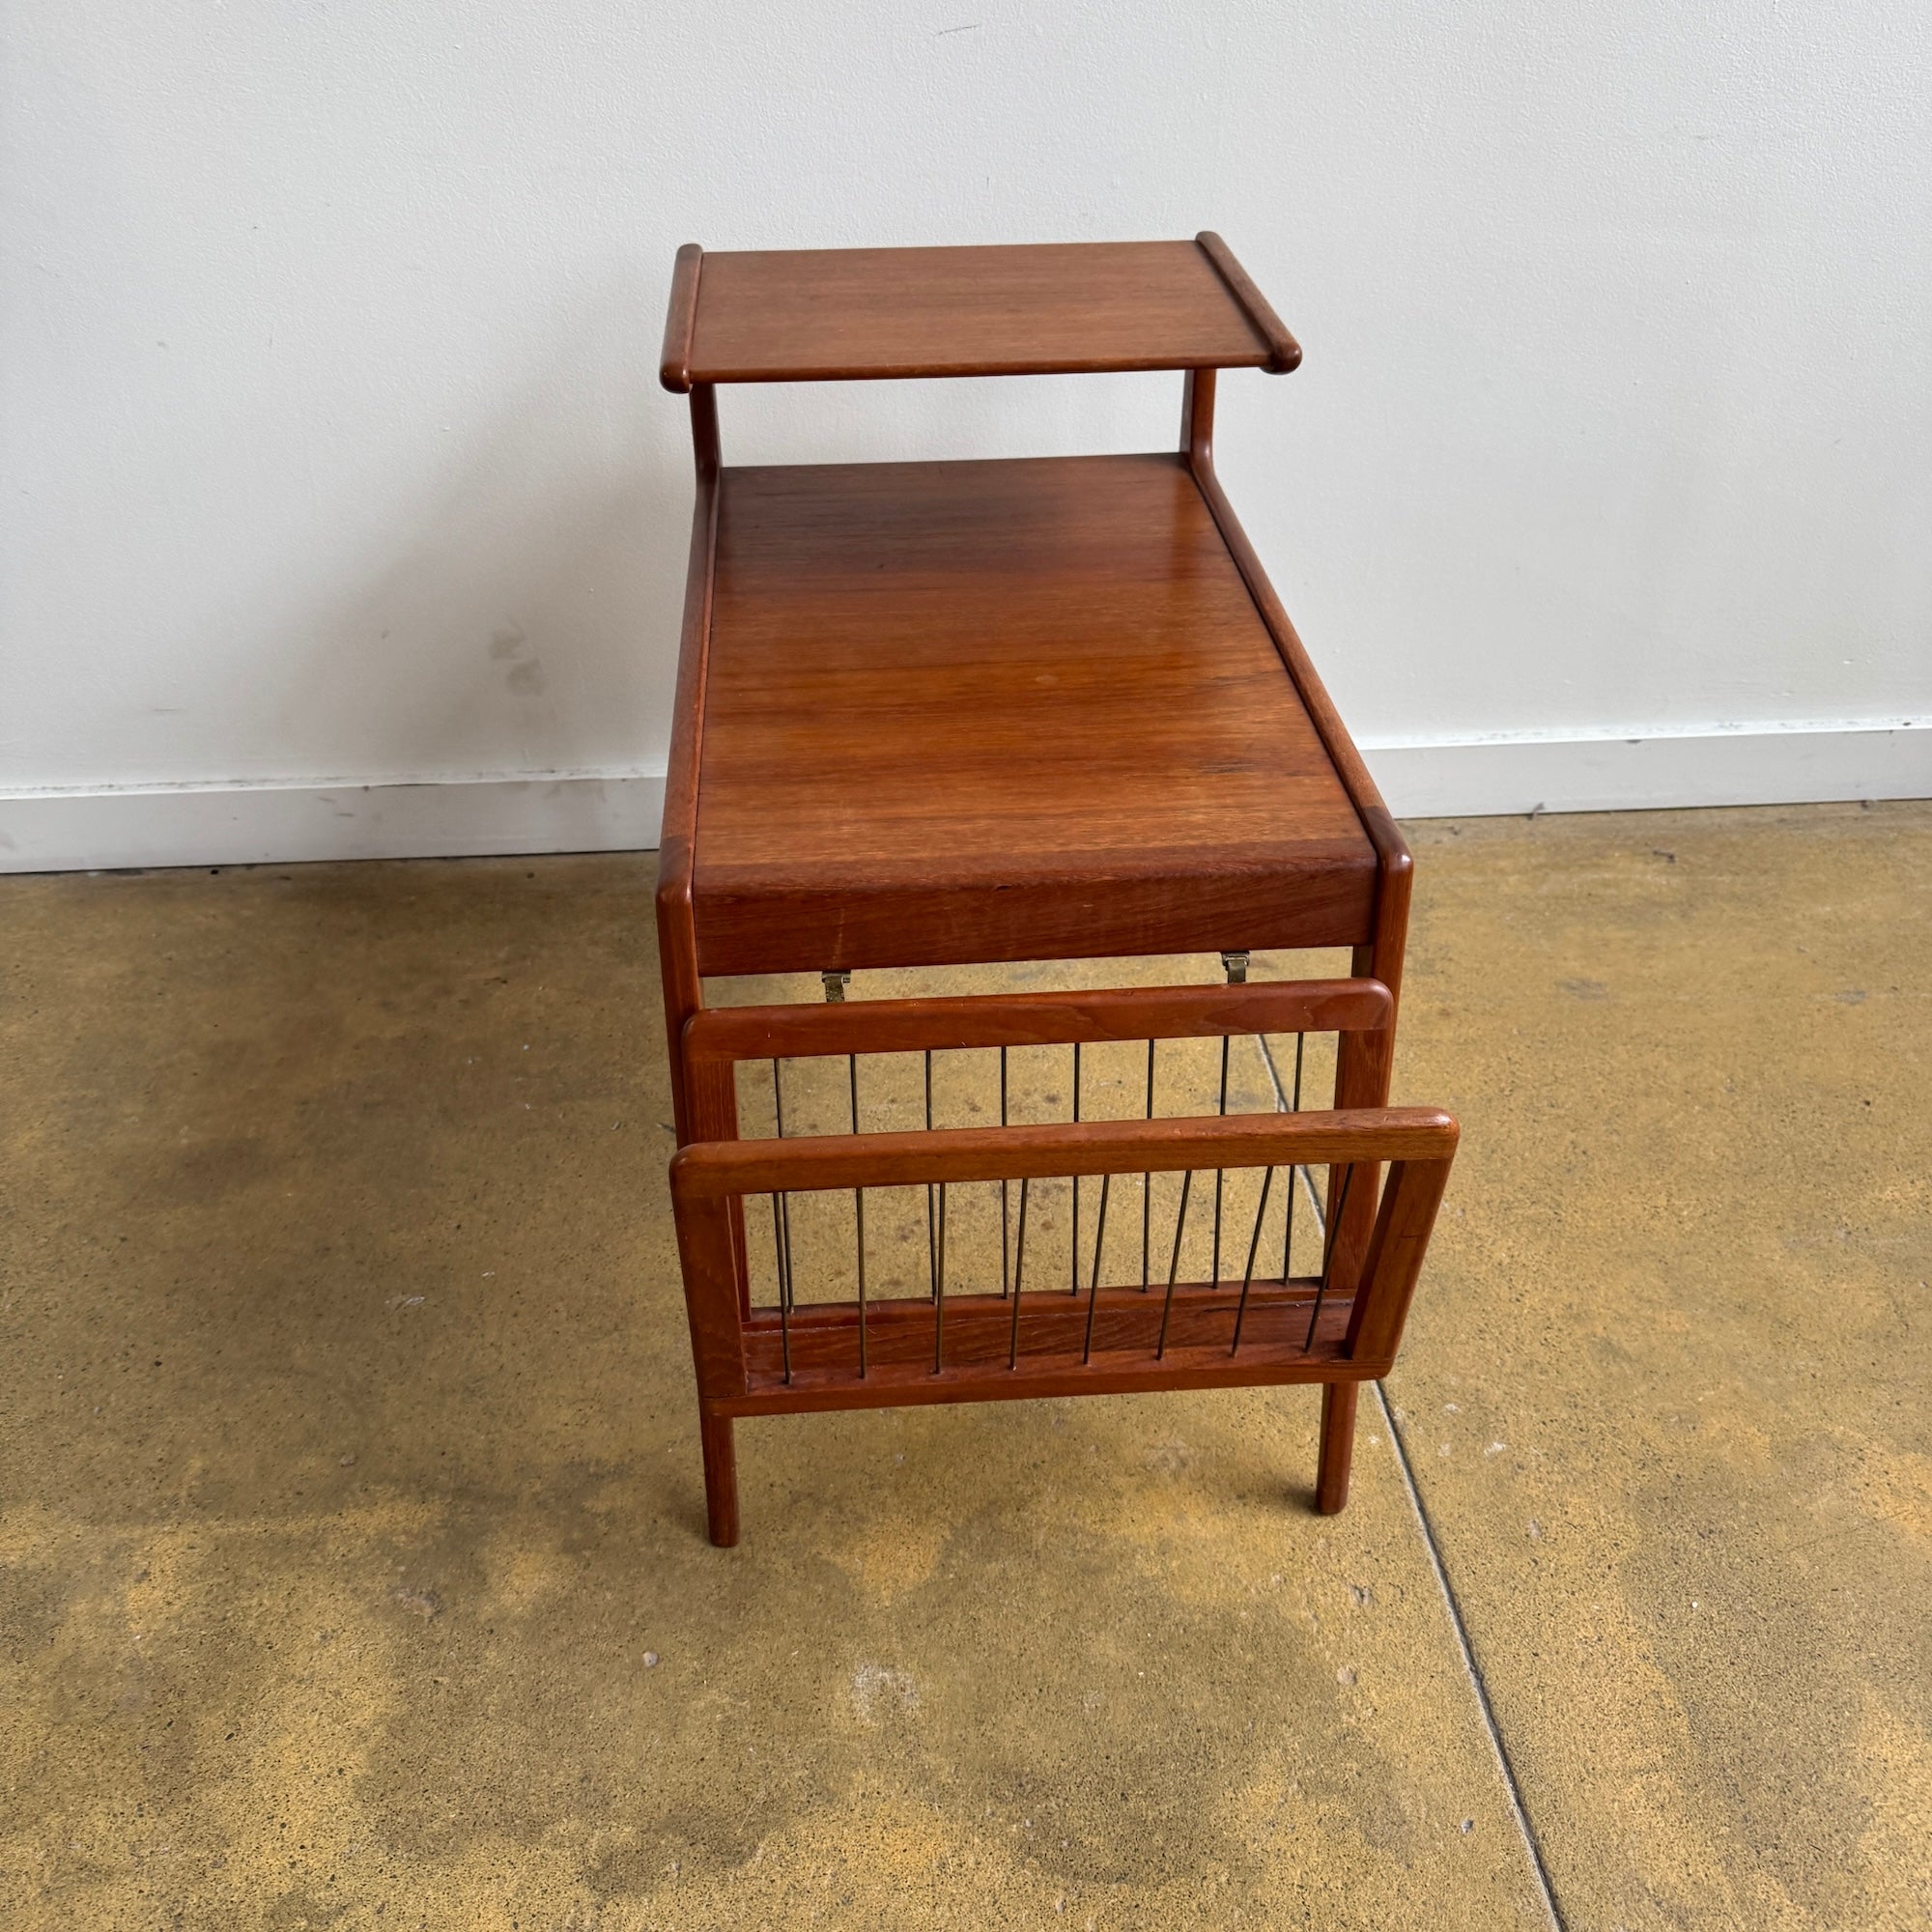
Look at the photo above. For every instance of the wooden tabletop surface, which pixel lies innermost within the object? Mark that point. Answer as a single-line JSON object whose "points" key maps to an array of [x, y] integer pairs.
{"points": [[833, 314], [1001, 710]]}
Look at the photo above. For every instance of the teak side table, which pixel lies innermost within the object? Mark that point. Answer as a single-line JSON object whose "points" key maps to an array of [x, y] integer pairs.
{"points": [[937, 713]]}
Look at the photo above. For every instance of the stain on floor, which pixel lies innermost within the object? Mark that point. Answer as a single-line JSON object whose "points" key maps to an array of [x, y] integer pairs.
{"points": [[351, 1563]]}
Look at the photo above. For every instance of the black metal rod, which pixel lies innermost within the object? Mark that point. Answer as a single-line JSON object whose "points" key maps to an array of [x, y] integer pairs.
{"points": [[1147, 1188], [1248, 1273], [858, 1213], [1073, 1237], [1218, 1176], [1174, 1264], [1093, 1287], [780, 1242], [1005, 1193], [939, 1291], [931, 1245], [1328, 1255], [1287, 1222], [1019, 1274], [784, 1298], [781, 1203]]}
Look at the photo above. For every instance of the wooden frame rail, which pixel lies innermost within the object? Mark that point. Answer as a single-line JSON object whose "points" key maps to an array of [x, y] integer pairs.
{"points": [[980, 1348], [1037, 1019]]}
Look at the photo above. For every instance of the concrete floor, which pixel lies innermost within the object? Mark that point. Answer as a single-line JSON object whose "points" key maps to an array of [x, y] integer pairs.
{"points": [[352, 1568]]}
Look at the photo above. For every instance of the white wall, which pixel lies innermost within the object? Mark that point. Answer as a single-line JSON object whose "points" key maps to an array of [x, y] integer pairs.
{"points": [[333, 452]]}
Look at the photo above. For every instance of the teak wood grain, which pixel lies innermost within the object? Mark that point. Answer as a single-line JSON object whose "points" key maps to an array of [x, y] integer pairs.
{"points": [[1037, 1019], [1053, 1345], [813, 1163], [1003, 710], [841, 314], [1114, 1340], [965, 712]]}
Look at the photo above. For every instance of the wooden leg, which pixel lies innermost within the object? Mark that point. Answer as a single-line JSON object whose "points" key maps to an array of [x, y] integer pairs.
{"points": [[1362, 1080], [721, 1479], [1338, 1444]]}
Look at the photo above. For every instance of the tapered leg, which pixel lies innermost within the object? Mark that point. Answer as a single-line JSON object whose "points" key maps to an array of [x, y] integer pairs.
{"points": [[1338, 1445], [721, 1479]]}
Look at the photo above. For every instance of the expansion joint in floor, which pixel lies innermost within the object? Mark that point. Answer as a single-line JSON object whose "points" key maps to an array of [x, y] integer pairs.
{"points": [[1518, 1811]]}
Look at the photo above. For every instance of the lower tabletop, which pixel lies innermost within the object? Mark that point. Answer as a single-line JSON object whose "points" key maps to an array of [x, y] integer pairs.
{"points": [[973, 711]]}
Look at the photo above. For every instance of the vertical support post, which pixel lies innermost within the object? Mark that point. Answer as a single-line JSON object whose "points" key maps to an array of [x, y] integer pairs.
{"points": [[720, 1478], [712, 1110], [707, 1259], [1338, 1446], [677, 963], [704, 443], [677, 935], [1362, 1068], [1196, 418], [1364, 1062], [711, 1114]]}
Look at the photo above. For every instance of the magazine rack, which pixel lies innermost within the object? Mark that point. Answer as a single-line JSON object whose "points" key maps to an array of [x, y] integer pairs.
{"points": [[937, 713]]}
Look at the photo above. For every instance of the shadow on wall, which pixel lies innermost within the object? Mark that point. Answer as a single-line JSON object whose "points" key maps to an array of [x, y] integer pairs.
{"points": [[527, 618]]}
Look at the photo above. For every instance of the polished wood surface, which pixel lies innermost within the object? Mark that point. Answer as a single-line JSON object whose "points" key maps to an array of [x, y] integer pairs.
{"points": [[836, 314], [680, 318], [950, 713], [1035, 1019], [1054, 1359], [1337, 1450], [677, 943], [1284, 352], [1110, 1340], [813, 1163], [1003, 710]]}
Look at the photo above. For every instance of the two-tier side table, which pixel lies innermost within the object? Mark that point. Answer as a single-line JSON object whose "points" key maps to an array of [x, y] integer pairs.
{"points": [[1031, 710]]}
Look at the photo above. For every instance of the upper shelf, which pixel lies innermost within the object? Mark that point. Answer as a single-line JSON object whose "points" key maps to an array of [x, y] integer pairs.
{"points": [[841, 314]]}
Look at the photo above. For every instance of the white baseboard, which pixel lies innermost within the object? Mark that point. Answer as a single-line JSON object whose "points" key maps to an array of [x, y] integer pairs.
{"points": [[251, 824], [248, 825], [1779, 766]]}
